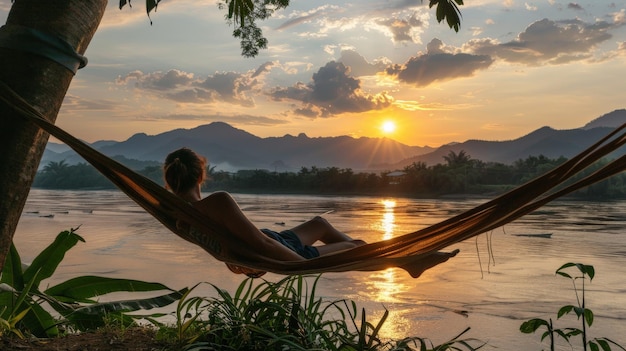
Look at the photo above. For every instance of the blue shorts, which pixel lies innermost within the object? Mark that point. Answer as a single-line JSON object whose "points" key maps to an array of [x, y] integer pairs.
{"points": [[292, 242]]}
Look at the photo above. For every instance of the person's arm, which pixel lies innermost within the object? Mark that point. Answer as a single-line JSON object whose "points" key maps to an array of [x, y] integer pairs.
{"points": [[222, 208]]}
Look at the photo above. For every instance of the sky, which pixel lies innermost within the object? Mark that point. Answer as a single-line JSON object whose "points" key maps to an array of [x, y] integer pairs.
{"points": [[367, 68]]}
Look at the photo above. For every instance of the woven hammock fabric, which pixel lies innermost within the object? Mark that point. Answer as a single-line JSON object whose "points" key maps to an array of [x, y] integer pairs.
{"points": [[414, 252]]}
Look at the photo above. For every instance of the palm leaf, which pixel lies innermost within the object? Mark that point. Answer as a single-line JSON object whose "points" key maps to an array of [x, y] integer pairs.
{"points": [[11, 276], [48, 260], [151, 5], [81, 289], [12, 271], [93, 316], [132, 305], [40, 322]]}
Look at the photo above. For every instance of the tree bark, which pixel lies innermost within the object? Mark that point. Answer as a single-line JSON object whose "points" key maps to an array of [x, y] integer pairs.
{"points": [[43, 83]]}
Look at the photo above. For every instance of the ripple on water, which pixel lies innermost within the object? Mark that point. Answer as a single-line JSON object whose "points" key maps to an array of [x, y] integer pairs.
{"points": [[491, 285]]}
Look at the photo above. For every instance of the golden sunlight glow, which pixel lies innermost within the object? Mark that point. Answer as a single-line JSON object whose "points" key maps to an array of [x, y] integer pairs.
{"points": [[388, 127], [388, 218], [387, 286]]}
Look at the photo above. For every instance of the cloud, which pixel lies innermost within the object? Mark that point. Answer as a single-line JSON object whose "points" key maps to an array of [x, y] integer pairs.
{"points": [[359, 66], [530, 7], [621, 48], [299, 17], [619, 18], [264, 68], [239, 119], [574, 6], [546, 42], [157, 80], [438, 65], [402, 21], [75, 103], [179, 86], [332, 91], [230, 87], [403, 30]]}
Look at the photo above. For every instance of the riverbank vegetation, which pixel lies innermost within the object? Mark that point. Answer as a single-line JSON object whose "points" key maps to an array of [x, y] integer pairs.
{"points": [[460, 174], [260, 315]]}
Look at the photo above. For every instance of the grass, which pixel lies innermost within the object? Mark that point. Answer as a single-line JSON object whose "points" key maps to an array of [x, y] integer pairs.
{"points": [[285, 315], [259, 315]]}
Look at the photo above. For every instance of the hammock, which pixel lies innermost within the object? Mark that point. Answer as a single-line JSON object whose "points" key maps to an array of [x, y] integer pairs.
{"points": [[414, 252]]}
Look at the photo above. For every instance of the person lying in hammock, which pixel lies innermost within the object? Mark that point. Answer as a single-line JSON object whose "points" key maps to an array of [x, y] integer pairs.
{"points": [[184, 173]]}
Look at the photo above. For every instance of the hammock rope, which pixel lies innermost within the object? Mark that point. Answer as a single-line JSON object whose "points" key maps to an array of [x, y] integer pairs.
{"points": [[414, 252]]}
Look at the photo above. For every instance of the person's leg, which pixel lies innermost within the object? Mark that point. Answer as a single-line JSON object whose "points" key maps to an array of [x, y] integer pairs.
{"points": [[338, 246], [318, 229]]}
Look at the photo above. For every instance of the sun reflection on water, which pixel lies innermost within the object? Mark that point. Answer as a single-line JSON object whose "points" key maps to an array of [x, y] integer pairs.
{"points": [[389, 220], [385, 286]]}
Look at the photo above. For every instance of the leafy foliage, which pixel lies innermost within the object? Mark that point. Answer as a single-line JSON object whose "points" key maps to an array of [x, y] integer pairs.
{"points": [[448, 10], [26, 307], [285, 315], [583, 314], [459, 174]]}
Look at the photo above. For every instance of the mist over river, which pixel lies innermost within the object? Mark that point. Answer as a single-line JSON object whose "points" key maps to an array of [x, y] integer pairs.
{"points": [[496, 292]]}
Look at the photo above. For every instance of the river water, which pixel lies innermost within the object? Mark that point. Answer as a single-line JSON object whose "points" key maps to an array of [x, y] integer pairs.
{"points": [[499, 279]]}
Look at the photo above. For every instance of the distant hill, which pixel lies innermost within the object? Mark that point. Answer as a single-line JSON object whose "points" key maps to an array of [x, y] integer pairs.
{"points": [[545, 141], [229, 148], [612, 119]]}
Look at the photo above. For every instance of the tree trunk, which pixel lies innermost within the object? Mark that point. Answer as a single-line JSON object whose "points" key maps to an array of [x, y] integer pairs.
{"points": [[43, 83]]}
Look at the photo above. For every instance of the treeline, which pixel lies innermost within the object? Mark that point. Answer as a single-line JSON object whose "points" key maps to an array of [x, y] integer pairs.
{"points": [[459, 174]]}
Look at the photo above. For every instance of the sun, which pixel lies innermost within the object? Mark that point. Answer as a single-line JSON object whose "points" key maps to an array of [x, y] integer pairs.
{"points": [[388, 127]]}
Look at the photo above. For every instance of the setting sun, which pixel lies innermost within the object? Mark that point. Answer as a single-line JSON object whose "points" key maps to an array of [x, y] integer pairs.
{"points": [[388, 127]]}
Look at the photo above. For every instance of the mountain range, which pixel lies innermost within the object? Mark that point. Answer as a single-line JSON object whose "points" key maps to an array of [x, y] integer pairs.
{"points": [[230, 149]]}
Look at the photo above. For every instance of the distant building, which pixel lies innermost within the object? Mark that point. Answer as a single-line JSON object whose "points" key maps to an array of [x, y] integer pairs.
{"points": [[395, 177]]}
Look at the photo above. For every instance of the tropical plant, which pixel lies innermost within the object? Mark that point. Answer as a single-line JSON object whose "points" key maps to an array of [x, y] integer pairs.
{"points": [[10, 324], [27, 308], [284, 315], [584, 314], [188, 326]]}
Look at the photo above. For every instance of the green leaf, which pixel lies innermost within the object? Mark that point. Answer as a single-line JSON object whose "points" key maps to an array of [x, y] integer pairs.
{"points": [[40, 322], [12, 271], [567, 265], [151, 5], [588, 316], [589, 270], [573, 332], [49, 259], [579, 311], [448, 10], [562, 334], [23, 298], [81, 289], [563, 274], [593, 346], [132, 305], [93, 316], [11, 276], [530, 326], [565, 310], [605, 345]]}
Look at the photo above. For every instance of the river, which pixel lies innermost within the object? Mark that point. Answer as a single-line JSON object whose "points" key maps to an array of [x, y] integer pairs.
{"points": [[498, 280]]}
